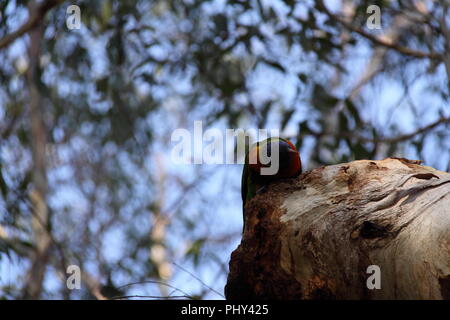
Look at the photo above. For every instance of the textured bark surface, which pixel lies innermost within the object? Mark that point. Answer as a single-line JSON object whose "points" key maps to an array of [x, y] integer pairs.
{"points": [[313, 237]]}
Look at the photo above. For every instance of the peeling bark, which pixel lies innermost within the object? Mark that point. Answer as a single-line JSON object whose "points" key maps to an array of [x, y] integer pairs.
{"points": [[314, 237]]}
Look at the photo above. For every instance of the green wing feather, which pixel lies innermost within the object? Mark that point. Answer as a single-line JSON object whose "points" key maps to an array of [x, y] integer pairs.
{"points": [[244, 182], [248, 187]]}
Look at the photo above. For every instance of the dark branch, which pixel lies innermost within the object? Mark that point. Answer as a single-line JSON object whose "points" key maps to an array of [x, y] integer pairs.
{"points": [[35, 17], [377, 40], [399, 138], [408, 135]]}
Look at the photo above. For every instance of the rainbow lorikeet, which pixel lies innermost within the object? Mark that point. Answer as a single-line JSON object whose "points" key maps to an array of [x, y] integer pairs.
{"points": [[254, 178]]}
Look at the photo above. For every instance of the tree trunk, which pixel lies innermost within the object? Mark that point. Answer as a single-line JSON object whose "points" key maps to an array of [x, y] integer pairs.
{"points": [[314, 237], [40, 220]]}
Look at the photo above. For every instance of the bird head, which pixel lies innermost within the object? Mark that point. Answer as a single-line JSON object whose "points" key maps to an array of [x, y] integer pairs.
{"points": [[275, 158]]}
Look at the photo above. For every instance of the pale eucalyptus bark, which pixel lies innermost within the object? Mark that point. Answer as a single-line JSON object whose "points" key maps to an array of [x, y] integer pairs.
{"points": [[314, 237]]}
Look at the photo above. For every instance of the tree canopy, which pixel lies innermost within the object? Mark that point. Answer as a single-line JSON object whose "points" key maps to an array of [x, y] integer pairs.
{"points": [[87, 114]]}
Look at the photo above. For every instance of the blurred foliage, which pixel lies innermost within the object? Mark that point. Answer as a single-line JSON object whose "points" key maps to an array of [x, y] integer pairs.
{"points": [[116, 89]]}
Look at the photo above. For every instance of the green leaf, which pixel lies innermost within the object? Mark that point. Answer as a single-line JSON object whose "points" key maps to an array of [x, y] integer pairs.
{"points": [[302, 77], [321, 99], [353, 111], [102, 84], [3, 186], [304, 129], [343, 122], [194, 250], [361, 152], [287, 114]]}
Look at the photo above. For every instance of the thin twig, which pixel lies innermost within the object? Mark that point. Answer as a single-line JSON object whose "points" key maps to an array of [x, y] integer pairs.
{"points": [[405, 136], [399, 138], [154, 282], [198, 279], [35, 17], [377, 40]]}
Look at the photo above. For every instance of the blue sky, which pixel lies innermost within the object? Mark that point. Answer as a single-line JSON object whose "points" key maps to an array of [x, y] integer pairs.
{"points": [[223, 214]]}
